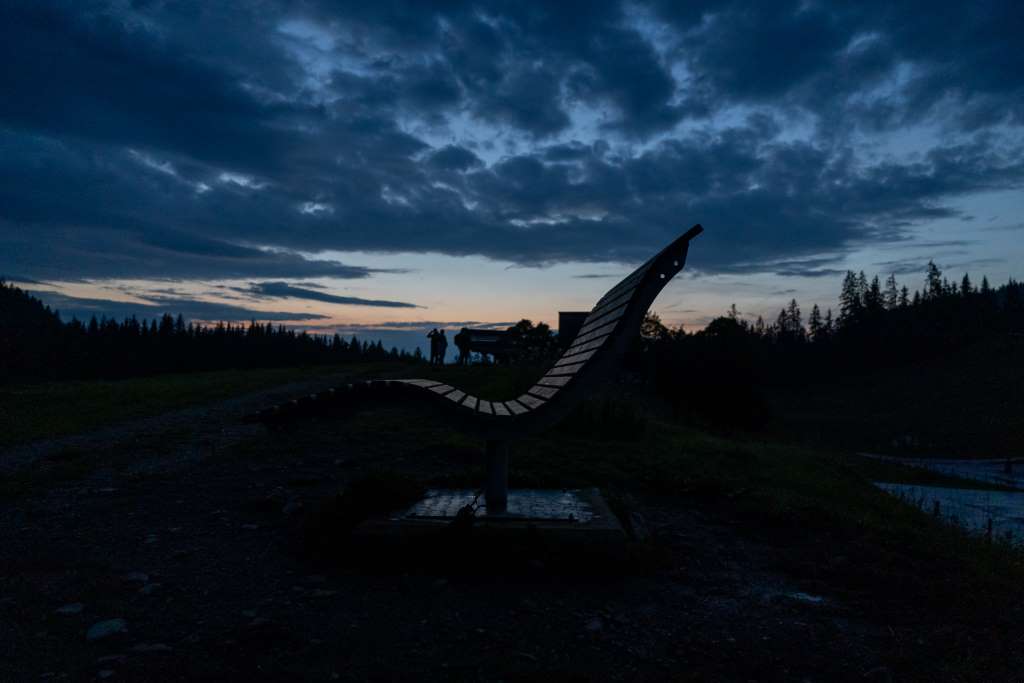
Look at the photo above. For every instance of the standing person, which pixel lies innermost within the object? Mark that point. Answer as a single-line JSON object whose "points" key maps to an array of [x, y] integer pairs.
{"points": [[442, 347], [433, 337], [462, 344]]}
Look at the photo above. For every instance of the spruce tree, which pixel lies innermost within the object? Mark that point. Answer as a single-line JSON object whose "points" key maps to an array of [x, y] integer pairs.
{"points": [[933, 281], [815, 324], [873, 299], [965, 286], [849, 300], [892, 295]]}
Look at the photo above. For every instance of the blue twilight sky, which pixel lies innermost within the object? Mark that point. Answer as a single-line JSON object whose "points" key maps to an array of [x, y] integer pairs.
{"points": [[382, 167]]}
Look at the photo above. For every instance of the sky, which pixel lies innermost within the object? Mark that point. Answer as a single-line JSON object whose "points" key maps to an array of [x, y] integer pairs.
{"points": [[381, 168]]}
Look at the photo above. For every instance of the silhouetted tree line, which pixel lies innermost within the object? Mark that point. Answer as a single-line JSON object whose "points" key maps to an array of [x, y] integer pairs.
{"points": [[721, 370], [533, 343], [36, 344]]}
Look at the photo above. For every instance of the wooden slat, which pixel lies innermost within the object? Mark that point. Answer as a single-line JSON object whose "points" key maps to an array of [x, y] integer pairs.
{"points": [[517, 407], [601, 309], [626, 282], [442, 389], [617, 291], [485, 407], [425, 383], [630, 280], [543, 392], [599, 332], [586, 346], [565, 370], [530, 401], [554, 381], [455, 396], [500, 410], [470, 402], [574, 358], [603, 319]]}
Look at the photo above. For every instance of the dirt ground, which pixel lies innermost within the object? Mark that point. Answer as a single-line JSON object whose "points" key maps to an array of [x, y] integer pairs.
{"points": [[170, 552]]}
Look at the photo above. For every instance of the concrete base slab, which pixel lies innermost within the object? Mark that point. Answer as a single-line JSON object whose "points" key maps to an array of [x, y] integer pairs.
{"points": [[523, 504], [577, 519]]}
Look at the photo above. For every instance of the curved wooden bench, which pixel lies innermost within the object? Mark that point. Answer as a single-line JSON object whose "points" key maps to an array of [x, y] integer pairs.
{"points": [[592, 356]]}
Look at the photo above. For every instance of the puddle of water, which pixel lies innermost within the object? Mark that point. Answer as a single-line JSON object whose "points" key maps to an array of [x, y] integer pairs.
{"points": [[1003, 472], [973, 508]]}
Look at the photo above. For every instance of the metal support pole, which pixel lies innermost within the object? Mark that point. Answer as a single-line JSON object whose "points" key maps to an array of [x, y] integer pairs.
{"points": [[496, 491]]}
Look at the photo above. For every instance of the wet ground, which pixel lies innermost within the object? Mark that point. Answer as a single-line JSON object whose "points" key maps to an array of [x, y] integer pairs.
{"points": [[980, 510], [975, 509], [1005, 472]]}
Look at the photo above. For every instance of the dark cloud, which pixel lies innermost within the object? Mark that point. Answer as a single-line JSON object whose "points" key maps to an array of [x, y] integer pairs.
{"points": [[285, 290], [187, 140], [454, 158], [191, 309], [806, 267]]}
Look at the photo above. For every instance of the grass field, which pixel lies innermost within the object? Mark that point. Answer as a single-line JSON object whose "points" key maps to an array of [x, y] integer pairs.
{"points": [[52, 409]]}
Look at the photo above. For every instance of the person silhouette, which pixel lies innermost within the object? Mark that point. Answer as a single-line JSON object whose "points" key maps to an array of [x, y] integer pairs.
{"points": [[433, 336], [462, 343], [442, 347]]}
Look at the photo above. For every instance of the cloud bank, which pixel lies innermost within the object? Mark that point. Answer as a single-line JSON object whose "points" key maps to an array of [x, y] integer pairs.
{"points": [[196, 140]]}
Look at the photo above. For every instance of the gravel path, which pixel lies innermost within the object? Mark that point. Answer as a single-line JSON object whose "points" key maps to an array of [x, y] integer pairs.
{"points": [[214, 425]]}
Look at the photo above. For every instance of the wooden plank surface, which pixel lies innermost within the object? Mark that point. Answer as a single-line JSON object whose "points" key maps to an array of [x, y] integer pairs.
{"points": [[516, 407], [531, 402], [604, 318], [574, 358], [543, 392], [565, 370], [554, 381], [598, 332]]}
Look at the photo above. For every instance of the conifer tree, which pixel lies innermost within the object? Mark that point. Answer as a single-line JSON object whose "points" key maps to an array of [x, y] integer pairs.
{"points": [[814, 323], [892, 295], [873, 299], [933, 281], [850, 304]]}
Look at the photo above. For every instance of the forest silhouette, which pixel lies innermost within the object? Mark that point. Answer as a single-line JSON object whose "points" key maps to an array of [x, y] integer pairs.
{"points": [[722, 371], [714, 369]]}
